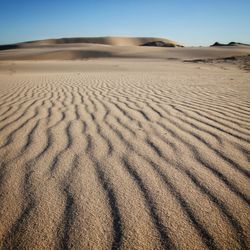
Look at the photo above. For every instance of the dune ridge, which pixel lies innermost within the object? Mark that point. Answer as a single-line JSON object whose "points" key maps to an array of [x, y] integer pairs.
{"points": [[125, 155]]}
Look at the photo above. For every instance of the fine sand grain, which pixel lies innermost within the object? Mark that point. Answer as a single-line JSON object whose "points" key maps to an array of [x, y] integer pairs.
{"points": [[124, 154]]}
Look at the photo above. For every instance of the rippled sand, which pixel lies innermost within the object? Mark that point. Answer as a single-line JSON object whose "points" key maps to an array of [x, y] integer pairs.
{"points": [[130, 154]]}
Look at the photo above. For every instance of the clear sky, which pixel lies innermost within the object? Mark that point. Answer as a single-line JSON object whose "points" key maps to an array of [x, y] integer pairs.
{"points": [[190, 22]]}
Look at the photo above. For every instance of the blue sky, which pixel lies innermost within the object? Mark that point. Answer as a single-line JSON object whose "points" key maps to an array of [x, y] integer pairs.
{"points": [[191, 22]]}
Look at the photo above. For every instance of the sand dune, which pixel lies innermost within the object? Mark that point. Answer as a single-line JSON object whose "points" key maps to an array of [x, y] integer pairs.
{"points": [[124, 154], [118, 41]]}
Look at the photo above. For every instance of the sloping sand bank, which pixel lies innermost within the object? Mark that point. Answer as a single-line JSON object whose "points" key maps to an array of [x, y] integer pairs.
{"points": [[124, 154]]}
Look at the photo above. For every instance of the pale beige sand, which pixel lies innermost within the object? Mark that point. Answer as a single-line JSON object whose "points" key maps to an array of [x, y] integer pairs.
{"points": [[124, 154]]}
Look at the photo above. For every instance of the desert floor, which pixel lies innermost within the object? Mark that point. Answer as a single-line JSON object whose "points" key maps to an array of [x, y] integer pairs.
{"points": [[124, 153]]}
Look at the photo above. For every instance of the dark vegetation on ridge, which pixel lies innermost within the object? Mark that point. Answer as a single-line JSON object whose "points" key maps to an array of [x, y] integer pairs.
{"points": [[228, 44]]}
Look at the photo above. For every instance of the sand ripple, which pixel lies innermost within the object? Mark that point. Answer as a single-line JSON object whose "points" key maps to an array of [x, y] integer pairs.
{"points": [[98, 160]]}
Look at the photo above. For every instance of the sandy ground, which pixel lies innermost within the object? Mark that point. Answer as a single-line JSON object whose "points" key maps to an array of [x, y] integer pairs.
{"points": [[124, 154]]}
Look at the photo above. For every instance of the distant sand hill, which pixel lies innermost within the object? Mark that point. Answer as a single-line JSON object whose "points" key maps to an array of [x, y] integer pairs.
{"points": [[119, 41]]}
